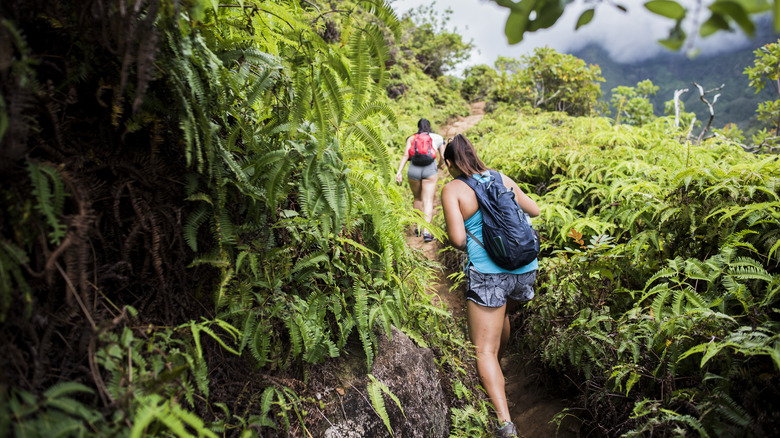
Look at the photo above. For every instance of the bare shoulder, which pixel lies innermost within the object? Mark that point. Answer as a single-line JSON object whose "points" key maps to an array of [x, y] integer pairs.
{"points": [[455, 184], [453, 188], [507, 180]]}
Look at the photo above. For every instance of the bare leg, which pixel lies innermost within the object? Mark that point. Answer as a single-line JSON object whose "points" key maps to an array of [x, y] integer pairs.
{"points": [[486, 328], [504, 338], [510, 306], [416, 186], [428, 192]]}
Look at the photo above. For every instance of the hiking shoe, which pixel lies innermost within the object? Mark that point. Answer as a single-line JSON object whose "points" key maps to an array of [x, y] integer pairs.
{"points": [[508, 431], [416, 232], [427, 237]]}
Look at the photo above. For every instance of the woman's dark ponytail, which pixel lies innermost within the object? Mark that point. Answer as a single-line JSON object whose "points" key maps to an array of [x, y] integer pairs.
{"points": [[462, 154]]}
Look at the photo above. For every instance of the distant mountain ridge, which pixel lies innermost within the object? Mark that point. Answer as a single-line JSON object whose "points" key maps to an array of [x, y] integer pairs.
{"points": [[738, 101]]}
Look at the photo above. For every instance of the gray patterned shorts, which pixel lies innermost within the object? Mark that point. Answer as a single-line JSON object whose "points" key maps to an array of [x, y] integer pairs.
{"points": [[418, 173], [492, 290]]}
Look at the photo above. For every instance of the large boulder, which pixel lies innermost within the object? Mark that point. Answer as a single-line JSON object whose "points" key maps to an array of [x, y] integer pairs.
{"points": [[411, 375]]}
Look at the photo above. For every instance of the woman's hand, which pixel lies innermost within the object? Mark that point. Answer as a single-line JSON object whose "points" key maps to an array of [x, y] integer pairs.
{"points": [[399, 177]]}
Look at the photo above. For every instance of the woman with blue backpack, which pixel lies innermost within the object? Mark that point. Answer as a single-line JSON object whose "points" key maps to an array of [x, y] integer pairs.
{"points": [[485, 213], [421, 151]]}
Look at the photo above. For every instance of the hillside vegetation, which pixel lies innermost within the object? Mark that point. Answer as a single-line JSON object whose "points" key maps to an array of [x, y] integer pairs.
{"points": [[198, 217], [660, 280], [674, 71]]}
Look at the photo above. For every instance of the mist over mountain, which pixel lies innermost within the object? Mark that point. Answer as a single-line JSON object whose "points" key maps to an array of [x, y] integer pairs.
{"points": [[672, 71]]}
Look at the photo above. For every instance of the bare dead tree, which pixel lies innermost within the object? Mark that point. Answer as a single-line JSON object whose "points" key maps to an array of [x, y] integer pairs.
{"points": [[703, 93], [677, 94]]}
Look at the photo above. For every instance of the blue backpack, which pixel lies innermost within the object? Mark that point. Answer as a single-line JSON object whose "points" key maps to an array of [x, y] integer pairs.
{"points": [[510, 241]]}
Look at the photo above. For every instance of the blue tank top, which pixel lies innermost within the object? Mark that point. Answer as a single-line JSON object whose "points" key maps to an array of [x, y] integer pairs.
{"points": [[478, 257]]}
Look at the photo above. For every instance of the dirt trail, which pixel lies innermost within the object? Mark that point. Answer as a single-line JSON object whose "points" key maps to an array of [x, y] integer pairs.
{"points": [[530, 405]]}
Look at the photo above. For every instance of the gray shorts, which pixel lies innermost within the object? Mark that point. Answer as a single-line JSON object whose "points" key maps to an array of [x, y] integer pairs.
{"points": [[492, 290], [418, 173]]}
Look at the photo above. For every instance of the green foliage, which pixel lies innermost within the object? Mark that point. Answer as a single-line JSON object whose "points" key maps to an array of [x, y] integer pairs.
{"points": [[59, 411], [632, 105], [289, 213], [436, 100], [156, 414], [12, 258], [375, 389], [529, 16], [765, 68], [550, 81], [471, 421], [163, 362], [656, 418], [659, 274], [436, 49], [49, 193], [150, 373], [478, 81]]}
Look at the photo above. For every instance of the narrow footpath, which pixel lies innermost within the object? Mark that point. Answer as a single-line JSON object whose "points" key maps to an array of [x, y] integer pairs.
{"points": [[530, 405]]}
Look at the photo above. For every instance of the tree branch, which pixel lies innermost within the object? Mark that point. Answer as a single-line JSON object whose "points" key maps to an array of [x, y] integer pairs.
{"points": [[702, 93]]}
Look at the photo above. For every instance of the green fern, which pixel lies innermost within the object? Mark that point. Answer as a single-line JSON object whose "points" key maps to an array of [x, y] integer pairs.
{"points": [[49, 193], [155, 415], [375, 389], [12, 258]]}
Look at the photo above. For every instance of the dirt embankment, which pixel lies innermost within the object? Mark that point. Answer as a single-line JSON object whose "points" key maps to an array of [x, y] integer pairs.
{"points": [[531, 406]]}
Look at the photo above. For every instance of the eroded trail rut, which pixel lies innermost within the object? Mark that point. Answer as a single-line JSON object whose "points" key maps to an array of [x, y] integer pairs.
{"points": [[531, 406]]}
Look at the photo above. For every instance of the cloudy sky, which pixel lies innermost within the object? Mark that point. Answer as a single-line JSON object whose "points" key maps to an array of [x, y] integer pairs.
{"points": [[628, 37]]}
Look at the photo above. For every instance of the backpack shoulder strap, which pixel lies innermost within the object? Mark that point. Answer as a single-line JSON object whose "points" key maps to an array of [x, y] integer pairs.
{"points": [[471, 182], [497, 176], [473, 237]]}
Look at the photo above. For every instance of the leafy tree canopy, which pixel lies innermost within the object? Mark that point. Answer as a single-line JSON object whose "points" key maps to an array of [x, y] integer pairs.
{"points": [[548, 80], [724, 15], [426, 38], [633, 103], [479, 79]]}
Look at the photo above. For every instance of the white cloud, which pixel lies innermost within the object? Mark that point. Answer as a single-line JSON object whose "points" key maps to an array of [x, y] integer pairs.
{"points": [[627, 37]]}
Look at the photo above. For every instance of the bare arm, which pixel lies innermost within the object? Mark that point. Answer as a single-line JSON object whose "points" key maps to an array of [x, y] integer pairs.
{"points": [[440, 153], [527, 204], [456, 229], [399, 176]]}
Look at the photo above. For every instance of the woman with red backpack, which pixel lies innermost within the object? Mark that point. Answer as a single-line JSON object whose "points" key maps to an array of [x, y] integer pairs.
{"points": [[421, 152], [490, 288]]}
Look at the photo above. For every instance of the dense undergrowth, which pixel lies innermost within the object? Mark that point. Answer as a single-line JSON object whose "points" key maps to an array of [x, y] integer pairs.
{"points": [[197, 212], [659, 284]]}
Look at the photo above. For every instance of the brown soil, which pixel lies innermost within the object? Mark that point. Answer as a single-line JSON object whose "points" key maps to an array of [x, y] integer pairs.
{"points": [[531, 405]]}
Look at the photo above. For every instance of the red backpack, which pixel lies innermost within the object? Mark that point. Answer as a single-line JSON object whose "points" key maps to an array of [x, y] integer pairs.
{"points": [[422, 152]]}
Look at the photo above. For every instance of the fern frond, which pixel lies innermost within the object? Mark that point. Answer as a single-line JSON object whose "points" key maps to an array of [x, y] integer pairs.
{"points": [[332, 88], [302, 100], [277, 185], [193, 223], [375, 389], [360, 68], [368, 136], [320, 114], [12, 278], [383, 10], [50, 198], [375, 40]]}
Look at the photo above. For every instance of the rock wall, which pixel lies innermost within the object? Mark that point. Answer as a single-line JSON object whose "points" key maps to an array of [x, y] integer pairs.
{"points": [[410, 373]]}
